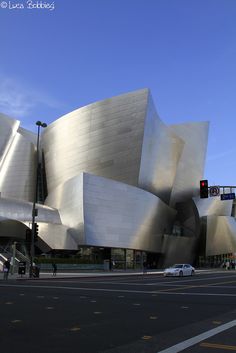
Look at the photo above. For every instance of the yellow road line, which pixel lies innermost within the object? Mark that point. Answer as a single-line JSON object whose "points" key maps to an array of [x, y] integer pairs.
{"points": [[195, 286], [176, 288], [216, 284], [217, 322], [146, 337], [218, 346]]}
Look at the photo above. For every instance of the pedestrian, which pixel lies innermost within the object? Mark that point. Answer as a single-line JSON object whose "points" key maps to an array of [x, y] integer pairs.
{"points": [[54, 269], [6, 269], [227, 265], [144, 267], [111, 263]]}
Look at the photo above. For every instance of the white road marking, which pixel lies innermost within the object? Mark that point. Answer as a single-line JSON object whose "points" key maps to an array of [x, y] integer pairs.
{"points": [[194, 340], [213, 286], [200, 294], [132, 282], [178, 280], [161, 292]]}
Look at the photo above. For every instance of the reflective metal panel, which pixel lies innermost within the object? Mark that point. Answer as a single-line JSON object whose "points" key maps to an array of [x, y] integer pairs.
{"points": [[161, 152], [17, 161], [221, 235], [114, 214], [213, 206], [103, 138], [191, 164], [172, 250], [68, 199], [120, 215], [22, 211], [17, 176], [57, 236], [8, 129], [51, 231]]}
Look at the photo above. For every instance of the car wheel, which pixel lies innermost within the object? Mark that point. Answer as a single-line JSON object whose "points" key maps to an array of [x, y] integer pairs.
{"points": [[181, 274]]}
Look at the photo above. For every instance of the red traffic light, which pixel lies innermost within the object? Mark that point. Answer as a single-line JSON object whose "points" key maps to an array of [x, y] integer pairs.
{"points": [[203, 189]]}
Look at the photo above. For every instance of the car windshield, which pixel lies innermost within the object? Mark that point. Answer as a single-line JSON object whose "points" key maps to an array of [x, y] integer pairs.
{"points": [[177, 266]]}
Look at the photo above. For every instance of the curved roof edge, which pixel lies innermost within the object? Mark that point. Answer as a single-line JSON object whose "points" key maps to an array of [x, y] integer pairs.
{"points": [[97, 103]]}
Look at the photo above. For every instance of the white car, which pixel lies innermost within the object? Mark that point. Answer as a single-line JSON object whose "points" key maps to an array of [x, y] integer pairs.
{"points": [[179, 270]]}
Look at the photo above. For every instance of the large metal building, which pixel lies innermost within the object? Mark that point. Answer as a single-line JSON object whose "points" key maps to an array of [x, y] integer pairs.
{"points": [[112, 175]]}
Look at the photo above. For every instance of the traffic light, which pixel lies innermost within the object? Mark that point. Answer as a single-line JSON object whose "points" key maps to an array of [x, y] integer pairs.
{"points": [[36, 231], [203, 189], [28, 233]]}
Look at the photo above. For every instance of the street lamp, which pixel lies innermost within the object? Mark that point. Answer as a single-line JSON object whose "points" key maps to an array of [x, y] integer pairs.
{"points": [[34, 210]]}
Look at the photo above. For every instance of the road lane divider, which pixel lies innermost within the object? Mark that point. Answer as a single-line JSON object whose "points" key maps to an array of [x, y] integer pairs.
{"points": [[218, 346], [199, 338]]}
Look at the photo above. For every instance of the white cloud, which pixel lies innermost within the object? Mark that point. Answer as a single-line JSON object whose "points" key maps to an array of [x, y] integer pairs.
{"points": [[14, 101], [220, 155], [18, 101]]}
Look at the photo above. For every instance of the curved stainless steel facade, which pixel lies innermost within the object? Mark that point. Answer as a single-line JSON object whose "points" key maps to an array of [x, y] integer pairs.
{"points": [[161, 152], [17, 160], [190, 168], [213, 206], [103, 138], [116, 176], [221, 235], [107, 213], [51, 229]]}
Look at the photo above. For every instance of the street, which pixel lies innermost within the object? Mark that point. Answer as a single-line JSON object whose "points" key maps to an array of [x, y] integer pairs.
{"points": [[123, 314]]}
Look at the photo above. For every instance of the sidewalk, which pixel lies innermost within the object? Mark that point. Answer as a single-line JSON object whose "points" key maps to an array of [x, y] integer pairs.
{"points": [[45, 275], [85, 274]]}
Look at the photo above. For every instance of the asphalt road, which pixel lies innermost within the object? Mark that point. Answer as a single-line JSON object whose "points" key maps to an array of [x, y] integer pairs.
{"points": [[131, 314]]}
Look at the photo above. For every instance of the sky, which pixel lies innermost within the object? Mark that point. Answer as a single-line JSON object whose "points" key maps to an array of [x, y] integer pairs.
{"points": [[57, 56]]}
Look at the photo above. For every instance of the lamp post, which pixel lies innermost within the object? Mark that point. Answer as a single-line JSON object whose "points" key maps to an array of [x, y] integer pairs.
{"points": [[34, 210]]}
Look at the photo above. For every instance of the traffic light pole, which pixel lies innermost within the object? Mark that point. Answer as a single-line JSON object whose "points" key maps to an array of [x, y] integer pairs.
{"points": [[34, 209]]}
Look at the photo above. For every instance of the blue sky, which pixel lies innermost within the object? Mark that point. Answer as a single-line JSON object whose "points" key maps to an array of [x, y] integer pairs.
{"points": [[54, 61]]}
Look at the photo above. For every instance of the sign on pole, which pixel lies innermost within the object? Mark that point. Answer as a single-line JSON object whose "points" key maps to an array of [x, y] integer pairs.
{"points": [[230, 196], [214, 190]]}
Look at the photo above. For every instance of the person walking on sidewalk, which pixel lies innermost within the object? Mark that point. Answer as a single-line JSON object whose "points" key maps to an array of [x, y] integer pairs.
{"points": [[227, 265], [54, 269], [6, 269]]}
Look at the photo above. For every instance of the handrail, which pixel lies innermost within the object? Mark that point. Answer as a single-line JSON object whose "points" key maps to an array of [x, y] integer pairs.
{"points": [[22, 256]]}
